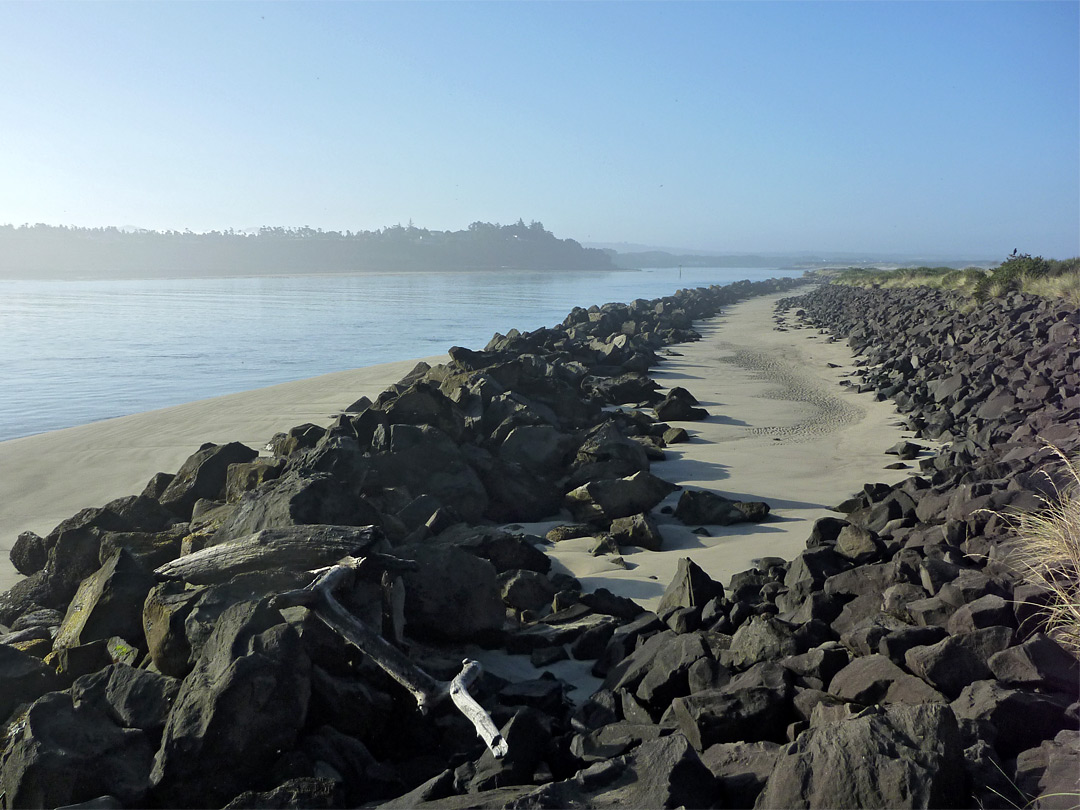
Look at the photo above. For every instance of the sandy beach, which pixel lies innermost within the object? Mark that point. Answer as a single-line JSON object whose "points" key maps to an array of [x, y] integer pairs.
{"points": [[781, 430]]}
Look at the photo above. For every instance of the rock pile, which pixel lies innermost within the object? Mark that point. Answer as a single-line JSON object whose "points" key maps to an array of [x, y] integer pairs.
{"points": [[143, 659], [899, 661]]}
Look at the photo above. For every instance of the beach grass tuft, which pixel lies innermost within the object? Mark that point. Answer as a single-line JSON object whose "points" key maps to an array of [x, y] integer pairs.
{"points": [[1047, 553]]}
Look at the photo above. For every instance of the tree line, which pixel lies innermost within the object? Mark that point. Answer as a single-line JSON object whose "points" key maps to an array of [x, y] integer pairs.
{"points": [[51, 251]]}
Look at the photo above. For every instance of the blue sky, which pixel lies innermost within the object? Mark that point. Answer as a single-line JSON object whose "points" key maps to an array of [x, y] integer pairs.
{"points": [[932, 128]]}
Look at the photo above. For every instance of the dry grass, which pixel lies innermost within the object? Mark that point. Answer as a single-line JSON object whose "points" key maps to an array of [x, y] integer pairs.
{"points": [[1048, 554]]}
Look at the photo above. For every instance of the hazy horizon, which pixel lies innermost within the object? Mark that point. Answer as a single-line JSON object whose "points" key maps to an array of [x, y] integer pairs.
{"points": [[945, 129]]}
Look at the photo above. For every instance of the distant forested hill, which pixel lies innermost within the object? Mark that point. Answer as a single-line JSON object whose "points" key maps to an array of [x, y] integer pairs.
{"points": [[45, 251]]}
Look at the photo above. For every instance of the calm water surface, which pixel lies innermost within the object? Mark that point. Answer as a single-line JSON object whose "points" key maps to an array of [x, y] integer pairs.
{"points": [[73, 352]]}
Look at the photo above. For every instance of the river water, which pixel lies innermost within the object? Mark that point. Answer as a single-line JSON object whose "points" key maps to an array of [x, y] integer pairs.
{"points": [[73, 352]]}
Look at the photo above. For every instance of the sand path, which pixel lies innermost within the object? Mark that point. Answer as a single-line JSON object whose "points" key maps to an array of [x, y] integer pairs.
{"points": [[782, 430]]}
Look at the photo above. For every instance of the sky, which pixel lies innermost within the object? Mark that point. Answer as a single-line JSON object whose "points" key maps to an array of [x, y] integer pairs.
{"points": [[913, 128]]}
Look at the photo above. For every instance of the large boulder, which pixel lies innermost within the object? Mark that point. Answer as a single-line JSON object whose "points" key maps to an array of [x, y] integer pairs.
{"points": [[896, 756], [729, 715], [452, 595], [690, 587], [62, 753], [108, 603], [297, 499], [604, 500], [244, 703], [23, 679], [698, 506], [203, 476]]}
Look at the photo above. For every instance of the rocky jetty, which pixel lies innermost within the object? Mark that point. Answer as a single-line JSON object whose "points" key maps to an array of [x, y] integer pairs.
{"points": [[168, 649]]}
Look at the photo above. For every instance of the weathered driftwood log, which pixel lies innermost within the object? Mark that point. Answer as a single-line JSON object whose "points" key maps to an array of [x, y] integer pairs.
{"points": [[319, 599], [292, 547]]}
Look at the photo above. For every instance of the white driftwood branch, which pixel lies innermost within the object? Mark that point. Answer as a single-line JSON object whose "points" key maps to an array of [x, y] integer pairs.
{"points": [[319, 599]]}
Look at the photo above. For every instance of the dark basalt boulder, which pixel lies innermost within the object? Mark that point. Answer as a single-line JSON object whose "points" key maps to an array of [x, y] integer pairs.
{"points": [[894, 756], [637, 530], [741, 769], [875, 679], [108, 603], [203, 476], [132, 698], [1017, 718], [678, 406], [242, 705], [23, 679], [697, 507], [1048, 774], [29, 553], [297, 499], [664, 773], [727, 715], [607, 499], [689, 587], [452, 595], [954, 662], [62, 754], [1038, 662]]}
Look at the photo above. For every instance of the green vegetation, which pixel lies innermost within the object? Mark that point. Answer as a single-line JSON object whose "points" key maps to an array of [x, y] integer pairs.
{"points": [[1020, 272], [45, 251]]}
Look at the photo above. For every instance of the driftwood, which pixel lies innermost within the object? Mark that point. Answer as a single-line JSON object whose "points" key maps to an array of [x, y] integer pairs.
{"points": [[319, 599], [292, 547]]}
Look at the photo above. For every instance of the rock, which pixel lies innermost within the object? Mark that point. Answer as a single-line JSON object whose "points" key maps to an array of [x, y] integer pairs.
{"points": [[526, 590], [244, 703], [905, 450], [132, 698], [663, 773], [309, 793], [898, 756], [528, 741], [741, 769], [612, 740], [857, 544], [604, 601], [1039, 661], [637, 530], [762, 638], [244, 477], [1048, 773], [542, 449], [729, 715], [668, 675], [678, 406], [150, 549], [61, 754], [29, 553], [452, 596], [875, 679], [895, 644], [297, 500], [1019, 718], [203, 476], [690, 587], [108, 603], [955, 661], [986, 611], [703, 507], [23, 679], [165, 611], [607, 499], [569, 532]]}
